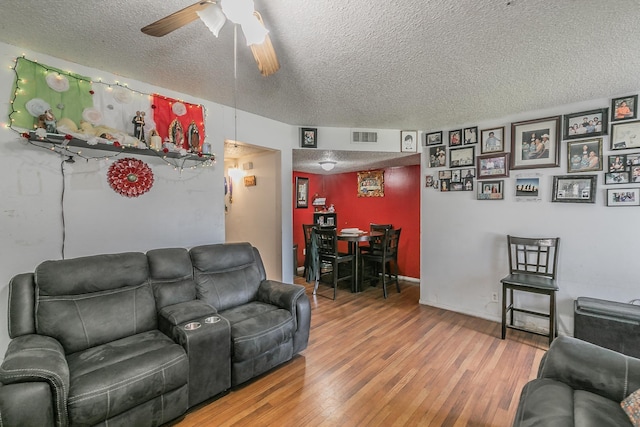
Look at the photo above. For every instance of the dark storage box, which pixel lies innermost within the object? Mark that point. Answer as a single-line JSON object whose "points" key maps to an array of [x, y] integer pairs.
{"points": [[609, 324]]}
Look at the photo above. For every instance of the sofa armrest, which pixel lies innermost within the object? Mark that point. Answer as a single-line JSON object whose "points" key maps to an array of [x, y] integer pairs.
{"points": [[175, 314], [292, 298], [586, 366], [38, 358], [26, 404]]}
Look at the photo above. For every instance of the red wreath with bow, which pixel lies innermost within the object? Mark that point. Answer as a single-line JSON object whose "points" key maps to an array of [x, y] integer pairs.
{"points": [[130, 177]]}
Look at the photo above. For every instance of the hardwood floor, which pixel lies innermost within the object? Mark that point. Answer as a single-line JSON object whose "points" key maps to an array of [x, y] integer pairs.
{"points": [[394, 362]]}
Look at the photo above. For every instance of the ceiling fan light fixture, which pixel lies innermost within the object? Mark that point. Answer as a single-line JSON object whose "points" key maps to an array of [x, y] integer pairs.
{"points": [[327, 165], [254, 31], [213, 17], [238, 11]]}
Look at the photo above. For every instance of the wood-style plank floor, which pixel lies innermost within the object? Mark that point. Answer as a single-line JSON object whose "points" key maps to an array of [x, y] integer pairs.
{"points": [[394, 362]]}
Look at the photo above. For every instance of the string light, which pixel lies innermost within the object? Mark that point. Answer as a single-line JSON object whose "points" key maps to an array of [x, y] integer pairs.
{"points": [[64, 149]]}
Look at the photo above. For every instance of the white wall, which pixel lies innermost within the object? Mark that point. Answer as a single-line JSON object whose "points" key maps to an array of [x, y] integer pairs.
{"points": [[181, 210], [464, 240]]}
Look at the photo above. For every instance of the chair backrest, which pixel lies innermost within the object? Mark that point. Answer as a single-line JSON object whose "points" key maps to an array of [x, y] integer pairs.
{"points": [[376, 243], [393, 239], [380, 227], [326, 241], [306, 229], [533, 255]]}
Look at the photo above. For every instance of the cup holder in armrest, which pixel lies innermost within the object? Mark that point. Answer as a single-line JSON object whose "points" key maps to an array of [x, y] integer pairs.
{"points": [[192, 326], [212, 319]]}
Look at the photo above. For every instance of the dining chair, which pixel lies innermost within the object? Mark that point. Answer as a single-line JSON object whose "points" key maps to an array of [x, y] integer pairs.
{"points": [[306, 229], [532, 268], [380, 261], [375, 244], [326, 242]]}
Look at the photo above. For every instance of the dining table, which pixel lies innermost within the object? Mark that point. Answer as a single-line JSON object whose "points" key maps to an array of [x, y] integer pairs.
{"points": [[354, 239]]}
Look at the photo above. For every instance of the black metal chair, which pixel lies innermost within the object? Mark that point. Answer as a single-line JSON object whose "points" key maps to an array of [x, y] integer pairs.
{"points": [[306, 229], [326, 246], [532, 268], [380, 260]]}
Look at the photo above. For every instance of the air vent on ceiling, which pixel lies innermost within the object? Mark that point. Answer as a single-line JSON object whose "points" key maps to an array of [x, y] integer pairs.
{"points": [[364, 137]]}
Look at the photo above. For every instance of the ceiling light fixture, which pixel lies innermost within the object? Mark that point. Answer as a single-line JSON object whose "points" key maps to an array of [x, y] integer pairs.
{"points": [[327, 165]]}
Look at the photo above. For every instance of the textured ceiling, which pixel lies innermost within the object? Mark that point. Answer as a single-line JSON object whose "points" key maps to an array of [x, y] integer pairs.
{"points": [[411, 64]]}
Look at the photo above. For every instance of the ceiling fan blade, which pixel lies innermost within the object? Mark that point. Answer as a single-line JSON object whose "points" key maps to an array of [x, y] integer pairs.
{"points": [[176, 20], [264, 54]]}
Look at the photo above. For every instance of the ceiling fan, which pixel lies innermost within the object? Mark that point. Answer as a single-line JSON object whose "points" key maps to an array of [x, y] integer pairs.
{"points": [[214, 13]]}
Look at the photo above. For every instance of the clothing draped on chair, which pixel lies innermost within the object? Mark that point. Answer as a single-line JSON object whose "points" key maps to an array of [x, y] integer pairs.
{"points": [[532, 269], [383, 252], [306, 230]]}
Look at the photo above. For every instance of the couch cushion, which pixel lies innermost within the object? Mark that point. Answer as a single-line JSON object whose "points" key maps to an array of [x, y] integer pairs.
{"points": [[112, 378], [257, 328], [171, 275], [227, 275], [546, 402]]}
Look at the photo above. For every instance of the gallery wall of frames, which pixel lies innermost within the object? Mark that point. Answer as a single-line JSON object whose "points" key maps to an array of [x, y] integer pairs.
{"points": [[479, 160]]}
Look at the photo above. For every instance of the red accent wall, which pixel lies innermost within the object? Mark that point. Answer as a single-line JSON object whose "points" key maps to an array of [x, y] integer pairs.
{"points": [[400, 206]]}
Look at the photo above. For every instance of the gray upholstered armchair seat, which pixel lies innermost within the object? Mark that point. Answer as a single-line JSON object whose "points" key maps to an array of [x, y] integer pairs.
{"points": [[579, 384], [103, 340]]}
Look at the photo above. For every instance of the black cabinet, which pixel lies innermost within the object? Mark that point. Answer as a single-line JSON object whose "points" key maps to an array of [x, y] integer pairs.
{"points": [[324, 219]]}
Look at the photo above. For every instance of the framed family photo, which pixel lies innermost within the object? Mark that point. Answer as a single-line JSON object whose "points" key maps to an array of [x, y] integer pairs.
{"points": [[535, 143], [574, 189], [586, 124], [408, 141], [491, 190], [584, 155], [492, 140], [613, 178], [455, 138], [493, 165], [528, 187], [625, 135], [309, 137], [433, 138], [623, 197], [624, 108], [437, 156], [470, 135], [460, 157]]}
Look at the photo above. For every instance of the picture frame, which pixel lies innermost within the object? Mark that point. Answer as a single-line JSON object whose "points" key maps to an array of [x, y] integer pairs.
{"points": [[526, 137], [455, 138], [465, 179], [574, 188], [371, 184], [309, 137], [491, 190], [437, 156], [634, 174], [492, 140], [493, 166], [433, 138], [461, 157], [444, 178], [528, 187], [625, 135], [408, 141], [586, 124], [250, 181], [624, 108], [584, 155], [614, 178], [617, 163], [623, 197], [302, 192], [470, 135]]}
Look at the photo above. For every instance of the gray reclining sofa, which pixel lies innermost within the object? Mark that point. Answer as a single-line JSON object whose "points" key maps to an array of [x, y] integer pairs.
{"points": [[137, 339]]}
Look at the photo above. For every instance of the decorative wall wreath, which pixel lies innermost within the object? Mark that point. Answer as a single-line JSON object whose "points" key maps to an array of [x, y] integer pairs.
{"points": [[130, 177]]}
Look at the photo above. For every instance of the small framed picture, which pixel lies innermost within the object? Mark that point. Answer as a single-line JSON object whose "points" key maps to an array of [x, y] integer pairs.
{"points": [[309, 137], [455, 175], [460, 157], [493, 165], [584, 156], [625, 135], [635, 173], [302, 192], [445, 185], [623, 196], [437, 156], [408, 141], [428, 181], [528, 187], [574, 189], [535, 143], [492, 140], [624, 108], [586, 124], [633, 159], [612, 178], [617, 163], [491, 190], [455, 138], [445, 174], [433, 138], [470, 135]]}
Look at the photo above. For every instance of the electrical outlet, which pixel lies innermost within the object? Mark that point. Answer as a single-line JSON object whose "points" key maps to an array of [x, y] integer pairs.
{"points": [[494, 297]]}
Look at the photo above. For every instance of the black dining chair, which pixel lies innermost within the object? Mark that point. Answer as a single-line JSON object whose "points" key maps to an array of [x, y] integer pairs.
{"points": [[532, 268], [380, 261], [375, 244], [326, 245]]}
